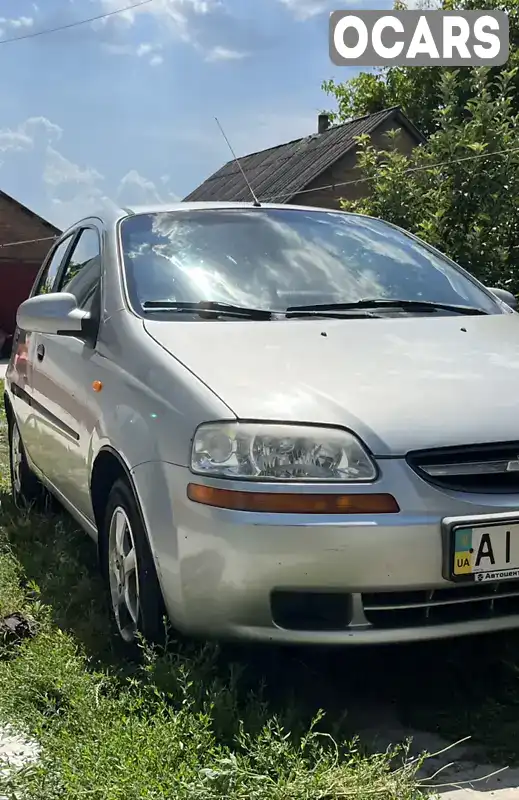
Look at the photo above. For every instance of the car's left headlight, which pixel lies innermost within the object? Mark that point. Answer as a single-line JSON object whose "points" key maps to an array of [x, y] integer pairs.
{"points": [[280, 452]]}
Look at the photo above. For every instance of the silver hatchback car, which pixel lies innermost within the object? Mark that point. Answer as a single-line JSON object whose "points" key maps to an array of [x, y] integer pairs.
{"points": [[278, 423]]}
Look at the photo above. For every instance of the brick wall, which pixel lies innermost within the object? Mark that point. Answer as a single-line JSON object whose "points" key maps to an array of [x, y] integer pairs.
{"points": [[16, 280], [16, 223], [19, 264]]}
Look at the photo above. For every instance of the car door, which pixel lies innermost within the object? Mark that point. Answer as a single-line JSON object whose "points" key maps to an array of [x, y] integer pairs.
{"points": [[19, 373], [62, 377]]}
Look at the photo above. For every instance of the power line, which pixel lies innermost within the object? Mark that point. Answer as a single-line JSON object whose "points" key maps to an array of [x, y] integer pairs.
{"points": [[322, 188], [422, 168], [75, 24], [30, 241]]}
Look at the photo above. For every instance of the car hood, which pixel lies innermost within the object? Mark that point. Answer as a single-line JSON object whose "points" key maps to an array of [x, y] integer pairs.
{"points": [[402, 384]]}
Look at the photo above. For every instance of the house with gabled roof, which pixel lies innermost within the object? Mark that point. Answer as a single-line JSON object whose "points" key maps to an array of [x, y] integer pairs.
{"points": [[317, 170], [25, 239]]}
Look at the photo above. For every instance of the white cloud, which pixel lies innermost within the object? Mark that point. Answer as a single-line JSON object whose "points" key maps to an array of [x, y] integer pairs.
{"points": [[70, 190], [147, 50], [305, 9], [22, 138], [64, 212], [58, 170], [8, 25], [224, 54], [175, 15], [19, 22], [14, 140], [176, 19], [169, 10], [135, 189], [35, 126]]}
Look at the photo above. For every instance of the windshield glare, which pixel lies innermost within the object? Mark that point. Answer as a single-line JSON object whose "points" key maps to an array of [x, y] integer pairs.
{"points": [[276, 258]]}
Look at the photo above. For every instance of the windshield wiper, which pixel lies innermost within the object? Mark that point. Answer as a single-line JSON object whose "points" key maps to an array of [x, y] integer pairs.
{"points": [[210, 307], [359, 308], [406, 305]]}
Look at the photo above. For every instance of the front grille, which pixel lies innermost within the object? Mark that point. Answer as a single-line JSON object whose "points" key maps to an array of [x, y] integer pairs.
{"points": [[492, 468], [441, 606]]}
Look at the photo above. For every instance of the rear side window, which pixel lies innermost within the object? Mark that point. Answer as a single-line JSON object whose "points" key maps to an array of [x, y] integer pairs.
{"points": [[82, 272], [47, 281]]}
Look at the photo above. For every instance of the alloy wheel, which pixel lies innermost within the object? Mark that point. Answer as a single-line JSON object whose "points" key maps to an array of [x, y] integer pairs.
{"points": [[16, 458], [123, 574]]}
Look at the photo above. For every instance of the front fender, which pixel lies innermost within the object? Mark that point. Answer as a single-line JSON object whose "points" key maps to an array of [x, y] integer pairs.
{"points": [[150, 412], [155, 487]]}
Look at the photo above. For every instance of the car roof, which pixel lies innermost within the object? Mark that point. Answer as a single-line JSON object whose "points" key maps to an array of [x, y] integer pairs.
{"points": [[215, 205], [111, 216]]}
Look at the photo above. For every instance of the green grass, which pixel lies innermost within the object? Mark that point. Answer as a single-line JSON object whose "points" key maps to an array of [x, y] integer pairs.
{"points": [[191, 722]]}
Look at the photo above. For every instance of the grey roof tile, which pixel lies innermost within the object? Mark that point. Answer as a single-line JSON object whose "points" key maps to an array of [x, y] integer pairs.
{"points": [[279, 173]]}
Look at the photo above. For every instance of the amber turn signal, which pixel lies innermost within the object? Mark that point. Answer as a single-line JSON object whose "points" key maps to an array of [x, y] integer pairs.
{"points": [[291, 502]]}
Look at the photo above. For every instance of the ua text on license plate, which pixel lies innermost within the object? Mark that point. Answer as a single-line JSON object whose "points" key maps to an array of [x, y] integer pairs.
{"points": [[485, 553]]}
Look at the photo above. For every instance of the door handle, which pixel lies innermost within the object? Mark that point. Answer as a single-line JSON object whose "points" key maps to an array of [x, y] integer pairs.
{"points": [[40, 352]]}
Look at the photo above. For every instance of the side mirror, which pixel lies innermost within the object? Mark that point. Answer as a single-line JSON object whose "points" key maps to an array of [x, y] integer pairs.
{"points": [[54, 313], [506, 297]]}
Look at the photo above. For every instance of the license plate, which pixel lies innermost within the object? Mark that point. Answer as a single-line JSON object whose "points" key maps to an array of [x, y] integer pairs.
{"points": [[485, 552]]}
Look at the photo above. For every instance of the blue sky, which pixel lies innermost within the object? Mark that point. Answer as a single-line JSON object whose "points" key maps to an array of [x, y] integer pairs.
{"points": [[122, 110]]}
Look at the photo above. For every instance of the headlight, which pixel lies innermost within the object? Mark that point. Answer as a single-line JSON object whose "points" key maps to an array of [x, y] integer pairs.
{"points": [[279, 453]]}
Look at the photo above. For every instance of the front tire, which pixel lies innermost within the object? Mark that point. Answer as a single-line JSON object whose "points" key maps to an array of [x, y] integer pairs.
{"points": [[135, 596], [26, 489]]}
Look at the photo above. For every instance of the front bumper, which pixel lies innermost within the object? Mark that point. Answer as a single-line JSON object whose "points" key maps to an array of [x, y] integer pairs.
{"points": [[241, 575]]}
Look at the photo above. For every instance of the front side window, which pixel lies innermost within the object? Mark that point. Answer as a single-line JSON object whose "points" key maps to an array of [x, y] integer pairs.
{"points": [[48, 279], [276, 258], [82, 273]]}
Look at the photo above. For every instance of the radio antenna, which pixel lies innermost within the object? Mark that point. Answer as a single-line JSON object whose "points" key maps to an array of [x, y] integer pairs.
{"points": [[256, 203]]}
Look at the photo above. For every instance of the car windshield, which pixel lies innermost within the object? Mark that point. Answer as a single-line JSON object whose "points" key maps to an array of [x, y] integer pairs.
{"points": [[274, 259]]}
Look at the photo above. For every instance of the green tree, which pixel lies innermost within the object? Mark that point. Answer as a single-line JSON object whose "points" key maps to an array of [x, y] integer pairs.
{"points": [[419, 91], [460, 191]]}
